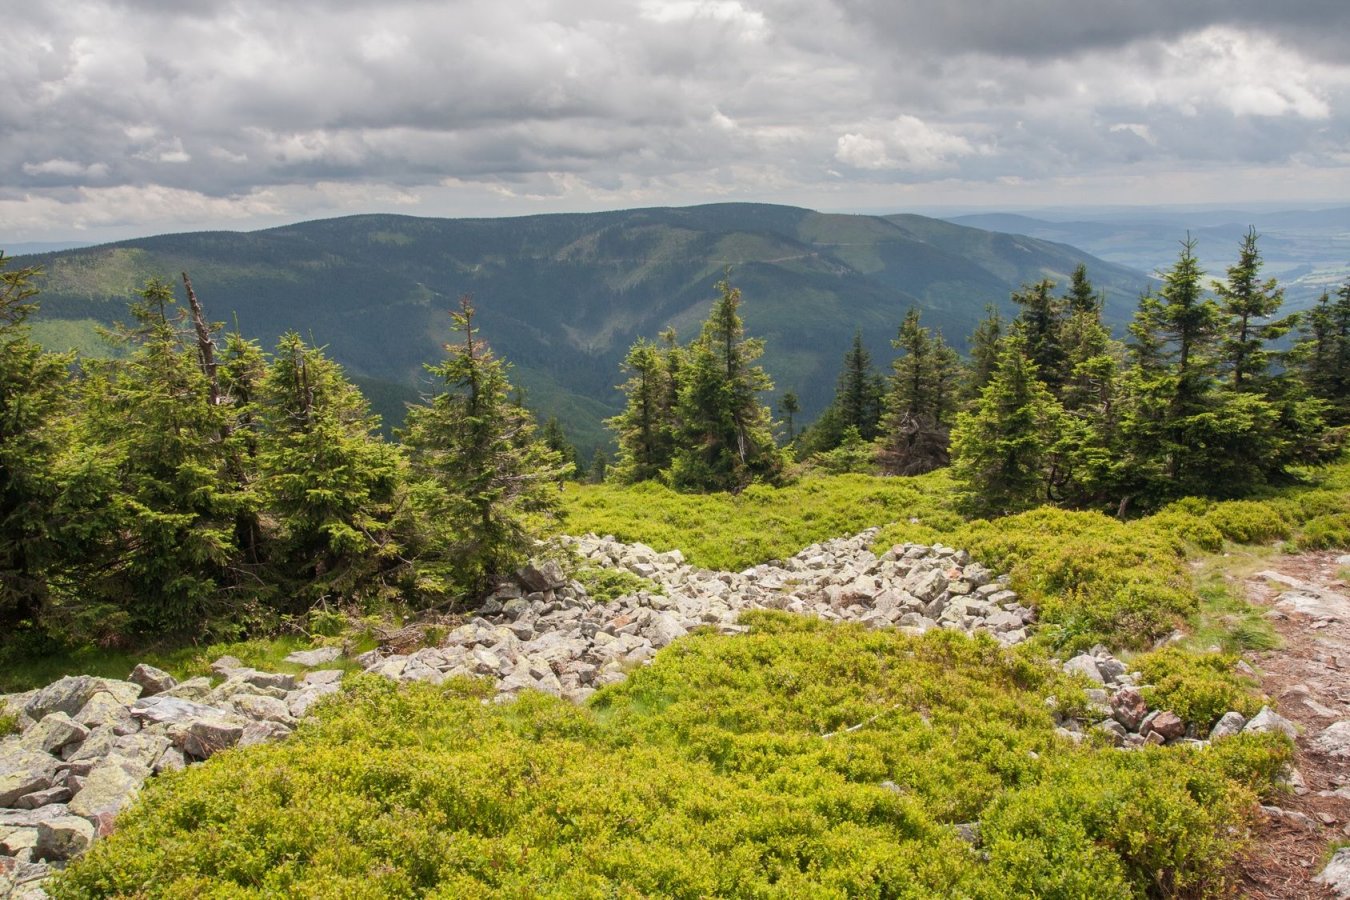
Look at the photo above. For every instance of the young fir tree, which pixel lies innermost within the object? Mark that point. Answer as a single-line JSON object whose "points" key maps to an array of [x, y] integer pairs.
{"points": [[556, 440], [789, 406], [1041, 321], [332, 487], [485, 480], [161, 549], [858, 395], [921, 402], [724, 439], [644, 428], [1003, 450], [1322, 354], [985, 342], [1246, 304], [1181, 428], [34, 395]]}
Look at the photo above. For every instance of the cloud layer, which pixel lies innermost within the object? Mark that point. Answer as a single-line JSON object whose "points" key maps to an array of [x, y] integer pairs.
{"points": [[129, 116]]}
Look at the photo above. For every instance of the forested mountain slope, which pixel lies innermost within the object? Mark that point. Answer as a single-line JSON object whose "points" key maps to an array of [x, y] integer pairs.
{"points": [[563, 296]]}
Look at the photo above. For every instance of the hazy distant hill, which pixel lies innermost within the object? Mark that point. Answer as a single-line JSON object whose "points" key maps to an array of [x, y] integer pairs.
{"points": [[1308, 250], [563, 296]]}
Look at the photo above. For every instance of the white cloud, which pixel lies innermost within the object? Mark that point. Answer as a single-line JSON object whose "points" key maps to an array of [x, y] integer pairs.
{"points": [[906, 143]]}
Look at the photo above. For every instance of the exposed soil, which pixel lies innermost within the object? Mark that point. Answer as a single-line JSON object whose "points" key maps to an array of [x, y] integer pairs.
{"points": [[1309, 678]]}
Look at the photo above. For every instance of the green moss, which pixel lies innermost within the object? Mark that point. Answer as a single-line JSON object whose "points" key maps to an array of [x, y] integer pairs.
{"points": [[727, 768], [9, 724]]}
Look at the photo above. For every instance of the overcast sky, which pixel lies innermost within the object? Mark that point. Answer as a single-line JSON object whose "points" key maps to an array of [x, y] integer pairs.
{"points": [[130, 117]]}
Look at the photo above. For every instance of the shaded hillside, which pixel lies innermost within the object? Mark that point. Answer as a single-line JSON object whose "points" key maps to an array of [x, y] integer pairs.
{"points": [[563, 296]]}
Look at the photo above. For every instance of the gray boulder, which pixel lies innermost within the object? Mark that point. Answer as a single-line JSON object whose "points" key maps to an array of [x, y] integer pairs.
{"points": [[1269, 720], [1084, 664], [543, 576], [1230, 724], [167, 710], [151, 680], [1337, 874], [1334, 740], [108, 789], [54, 732], [319, 656], [64, 838], [205, 737], [105, 710]]}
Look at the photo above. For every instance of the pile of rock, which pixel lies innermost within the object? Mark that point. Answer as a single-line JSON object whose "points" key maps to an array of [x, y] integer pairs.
{"points": [[87, 745], [545, 633], [1118, 710]]}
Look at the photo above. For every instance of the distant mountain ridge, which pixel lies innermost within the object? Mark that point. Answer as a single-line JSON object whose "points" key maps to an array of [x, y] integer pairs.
{"points": [[563, 296]]}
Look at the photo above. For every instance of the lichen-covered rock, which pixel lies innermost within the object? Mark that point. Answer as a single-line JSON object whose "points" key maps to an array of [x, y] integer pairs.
{"points": [[320, 656], [151, 680], [1334, 740], [54, 732], [1231, 723], [64, 838], [1269, 720], [1336, 875]]}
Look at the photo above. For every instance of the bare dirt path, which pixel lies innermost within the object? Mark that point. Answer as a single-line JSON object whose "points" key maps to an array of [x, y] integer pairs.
{"points": [[1309, 604]]}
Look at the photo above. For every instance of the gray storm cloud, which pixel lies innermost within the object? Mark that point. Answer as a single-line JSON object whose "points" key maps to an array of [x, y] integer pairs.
{"points": [[133, 116]]}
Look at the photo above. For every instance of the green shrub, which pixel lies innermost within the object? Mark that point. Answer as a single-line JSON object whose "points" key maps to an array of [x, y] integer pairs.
{"points": [[607, 585], [1248, 521], [1327, 532], [726, 768], [9, 723], [1092, 578], [1187, 526], [1198, 687]]}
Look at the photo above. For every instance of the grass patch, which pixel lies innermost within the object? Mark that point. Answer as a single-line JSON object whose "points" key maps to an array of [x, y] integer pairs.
{"points": [[23, 669], [734, 532], [705, 774]]}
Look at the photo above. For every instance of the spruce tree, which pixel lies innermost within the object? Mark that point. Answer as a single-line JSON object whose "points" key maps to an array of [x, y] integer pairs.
{"points": [[857, 396], [332, 487], [921, 401], [34, 396], [725, 437], [1041, 321], [484, 478], [985, 341], [1321, 355], [644, 428], [555, 439], [161, 553], [1003, 449], [1246, 303], [789, 406]]}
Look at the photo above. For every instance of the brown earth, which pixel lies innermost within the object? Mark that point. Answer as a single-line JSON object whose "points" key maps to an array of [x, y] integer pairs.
{"points": [[1309, 678]]}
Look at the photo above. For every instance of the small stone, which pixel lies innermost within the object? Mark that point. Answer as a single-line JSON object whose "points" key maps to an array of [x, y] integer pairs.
{"points": [[152, 681], [55, 794], [1334, 740]]}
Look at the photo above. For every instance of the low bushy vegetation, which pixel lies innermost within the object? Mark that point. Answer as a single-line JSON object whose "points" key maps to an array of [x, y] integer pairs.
{"points": [[1198, 687], [605, 585], [727, 768]]}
